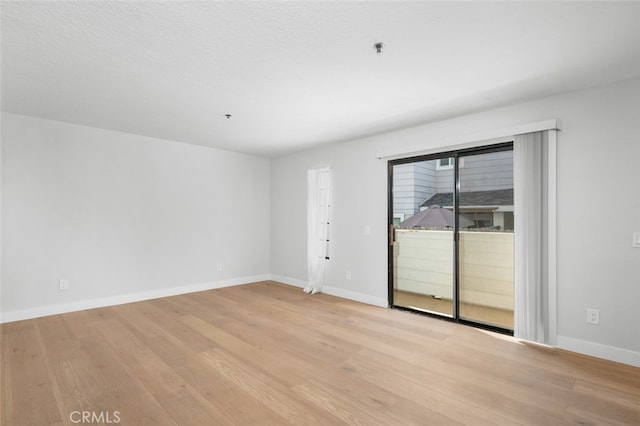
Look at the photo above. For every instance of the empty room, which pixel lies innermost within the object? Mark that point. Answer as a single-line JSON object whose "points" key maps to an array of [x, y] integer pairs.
{"points": [[320, 212]]}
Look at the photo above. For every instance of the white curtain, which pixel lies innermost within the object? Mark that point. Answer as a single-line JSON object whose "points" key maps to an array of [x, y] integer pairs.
{"points": [[318, 218], [531, 202]]}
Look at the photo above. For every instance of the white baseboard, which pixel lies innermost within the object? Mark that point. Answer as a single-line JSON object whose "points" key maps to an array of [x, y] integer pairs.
{"points": [[289, 281], [42, 311], [338, 292], [358, 297], [598, 350]]}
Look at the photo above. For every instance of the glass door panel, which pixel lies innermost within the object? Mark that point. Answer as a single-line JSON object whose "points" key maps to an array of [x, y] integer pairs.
{"points": [[485, 252], [422, 236]]}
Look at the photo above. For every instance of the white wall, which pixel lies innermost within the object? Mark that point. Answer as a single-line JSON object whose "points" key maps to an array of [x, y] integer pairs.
{"points": [[598, 209], [123, 217]]}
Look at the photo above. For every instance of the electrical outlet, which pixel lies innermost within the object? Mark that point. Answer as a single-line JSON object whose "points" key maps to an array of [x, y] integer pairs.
{"points": [[593, 316], [347, 275], [219, 267], [63, 285]]}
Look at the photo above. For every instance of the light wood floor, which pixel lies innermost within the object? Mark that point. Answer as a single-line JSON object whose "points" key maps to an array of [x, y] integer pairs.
{"points": [[266, 353]]}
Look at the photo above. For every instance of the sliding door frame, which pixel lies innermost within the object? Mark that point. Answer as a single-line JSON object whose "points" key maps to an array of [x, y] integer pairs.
{"points": [[456, 154]]}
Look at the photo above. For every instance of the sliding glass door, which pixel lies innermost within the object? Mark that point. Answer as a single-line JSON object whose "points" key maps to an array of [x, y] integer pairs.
{"points": [[451, 235], [485, 239], [423, 250]]}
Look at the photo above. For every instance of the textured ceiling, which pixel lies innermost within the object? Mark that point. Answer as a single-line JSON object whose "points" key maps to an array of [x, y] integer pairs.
{"points": [[300, 74]]}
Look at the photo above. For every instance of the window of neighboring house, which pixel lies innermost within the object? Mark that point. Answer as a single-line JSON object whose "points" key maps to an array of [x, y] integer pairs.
{"points": [[447, 163], [480, 219]]}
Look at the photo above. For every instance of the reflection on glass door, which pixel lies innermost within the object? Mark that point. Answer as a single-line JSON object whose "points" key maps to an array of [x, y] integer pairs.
{"points": [[485, 249], [423, 249]]}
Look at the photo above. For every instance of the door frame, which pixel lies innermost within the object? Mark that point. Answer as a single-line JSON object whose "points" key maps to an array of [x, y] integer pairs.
{"points": [[457, 154]]}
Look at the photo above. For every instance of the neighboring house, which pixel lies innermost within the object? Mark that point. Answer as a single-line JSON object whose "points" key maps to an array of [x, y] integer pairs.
{"points": [[486, 188], [487, 209], [413, 183]]}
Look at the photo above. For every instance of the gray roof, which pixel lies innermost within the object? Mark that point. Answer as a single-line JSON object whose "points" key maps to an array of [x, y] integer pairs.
{"points": [[434, 217], [497, 197]]}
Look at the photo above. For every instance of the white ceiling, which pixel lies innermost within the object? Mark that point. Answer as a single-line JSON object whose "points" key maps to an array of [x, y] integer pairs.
{"points": [[300, 74]]}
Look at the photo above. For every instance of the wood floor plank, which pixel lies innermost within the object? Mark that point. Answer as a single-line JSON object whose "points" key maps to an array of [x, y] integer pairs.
{"points": [[268, 354], [121, 390], [73, 386], [435, 388], [183, 404], [343, 410], [25, 377], [426, 396], [259, 387], [231, 403]]}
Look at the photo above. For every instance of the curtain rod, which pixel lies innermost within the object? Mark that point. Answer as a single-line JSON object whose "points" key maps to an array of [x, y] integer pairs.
{"points": [[471, 140]]}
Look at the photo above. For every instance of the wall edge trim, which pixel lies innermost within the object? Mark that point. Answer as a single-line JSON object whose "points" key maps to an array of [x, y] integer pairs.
{"points": [[598, 350], [101, 302]]}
